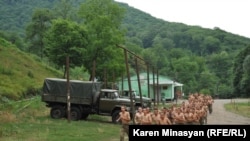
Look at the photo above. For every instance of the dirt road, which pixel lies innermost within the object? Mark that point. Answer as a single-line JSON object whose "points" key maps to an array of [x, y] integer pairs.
{"points": [[220, 116]]}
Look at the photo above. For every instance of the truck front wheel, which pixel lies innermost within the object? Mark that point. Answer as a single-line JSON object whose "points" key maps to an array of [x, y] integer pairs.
{"points": [[57, 112], [115, 116]]}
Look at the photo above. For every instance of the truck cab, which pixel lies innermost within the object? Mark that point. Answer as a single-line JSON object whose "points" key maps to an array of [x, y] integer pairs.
{"points": [[110, 103]]}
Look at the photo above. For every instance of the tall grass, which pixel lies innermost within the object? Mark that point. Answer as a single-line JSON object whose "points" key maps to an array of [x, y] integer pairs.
{"points": [[29, 121]]}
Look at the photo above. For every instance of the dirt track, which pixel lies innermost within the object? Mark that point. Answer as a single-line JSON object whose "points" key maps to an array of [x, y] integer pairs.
{"points": [[220, 116]]}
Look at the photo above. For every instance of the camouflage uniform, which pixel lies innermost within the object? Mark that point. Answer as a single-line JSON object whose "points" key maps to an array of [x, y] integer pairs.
{"points": [[124, 129]]}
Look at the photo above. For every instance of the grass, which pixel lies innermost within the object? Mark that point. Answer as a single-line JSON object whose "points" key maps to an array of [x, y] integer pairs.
{"points": [[22, 73], [241, 108], [60, 130], [29, 121]]}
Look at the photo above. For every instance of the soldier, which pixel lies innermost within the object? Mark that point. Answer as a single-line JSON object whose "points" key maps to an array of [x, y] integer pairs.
{"points": [[179, 117], [172, 113], [138, 116], [189, 116], [164, 120], [146, 117], [196, 118], [210, 104], [125, 119], [155, 116]]}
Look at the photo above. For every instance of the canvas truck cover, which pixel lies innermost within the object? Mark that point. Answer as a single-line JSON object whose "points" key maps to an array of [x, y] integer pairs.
{"points": [[80, 89]]}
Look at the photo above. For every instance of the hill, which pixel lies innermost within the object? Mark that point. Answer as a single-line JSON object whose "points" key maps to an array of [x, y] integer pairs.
{"points": [[151, 31], [21, 74], [202, 59], [143, 30]]}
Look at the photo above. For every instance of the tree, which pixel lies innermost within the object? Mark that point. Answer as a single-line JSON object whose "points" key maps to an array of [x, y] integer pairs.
{"points": [[103, 19], [240, 78], [64, 9], [220, 64], [246, 65], [14, 38], [185, 70], [66, 38], [211, 45], [207, 81], [246, 77], [41, 21]]}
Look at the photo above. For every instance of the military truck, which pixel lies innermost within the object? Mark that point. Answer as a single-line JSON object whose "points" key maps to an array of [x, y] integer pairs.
{"points": [[146, 102], [86, 97]]}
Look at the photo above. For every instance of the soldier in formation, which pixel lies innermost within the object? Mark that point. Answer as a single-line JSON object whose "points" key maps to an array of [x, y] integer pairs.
{"points": [[194, 111]]}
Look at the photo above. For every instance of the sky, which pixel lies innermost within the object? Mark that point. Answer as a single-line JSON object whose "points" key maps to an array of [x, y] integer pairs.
{"points": [[230, 15]]}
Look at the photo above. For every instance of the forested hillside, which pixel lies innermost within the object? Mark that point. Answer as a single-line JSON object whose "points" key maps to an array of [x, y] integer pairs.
{"points": [[204, 60]]}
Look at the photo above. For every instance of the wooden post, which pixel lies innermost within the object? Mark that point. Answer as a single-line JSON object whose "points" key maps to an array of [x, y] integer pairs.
{"points": [[148, 79], [93, 70], [105, 78], [129, 84], [157, 87], [154, 85], [138, 79], [68, 88]]}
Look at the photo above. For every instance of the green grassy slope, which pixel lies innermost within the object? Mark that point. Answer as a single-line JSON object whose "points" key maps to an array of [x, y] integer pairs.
{"points": [[21, 74], [29, 120]]}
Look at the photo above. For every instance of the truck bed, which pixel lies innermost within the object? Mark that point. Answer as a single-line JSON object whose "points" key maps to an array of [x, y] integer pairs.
{"points": [[63, 99], [81, 92]]}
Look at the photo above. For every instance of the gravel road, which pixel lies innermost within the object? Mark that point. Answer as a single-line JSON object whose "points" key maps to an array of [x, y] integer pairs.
{"points": [[220, 116]]}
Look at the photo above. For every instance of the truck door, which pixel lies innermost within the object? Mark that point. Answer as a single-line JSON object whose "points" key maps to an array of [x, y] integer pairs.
{"points": [[107, 102]]}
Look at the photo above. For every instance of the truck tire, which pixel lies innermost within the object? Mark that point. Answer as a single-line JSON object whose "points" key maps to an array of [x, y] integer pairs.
{"points": [[75, 114], [115, 116], [57, 112]]}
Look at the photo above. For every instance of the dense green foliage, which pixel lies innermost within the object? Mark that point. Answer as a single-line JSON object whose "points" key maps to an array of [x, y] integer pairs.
{"points": [[241, 79], [103, 20], [35, 31], [71, 41], [211, 61]]}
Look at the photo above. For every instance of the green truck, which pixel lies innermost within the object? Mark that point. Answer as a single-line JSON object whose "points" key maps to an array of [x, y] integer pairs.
{"points": [[85, 98]]}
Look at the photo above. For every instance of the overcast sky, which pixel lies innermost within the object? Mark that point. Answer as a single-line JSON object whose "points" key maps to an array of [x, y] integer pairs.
{"points": [[229, 15]]}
